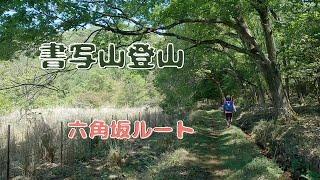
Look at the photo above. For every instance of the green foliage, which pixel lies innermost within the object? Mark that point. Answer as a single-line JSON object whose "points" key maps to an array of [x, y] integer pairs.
{"points": [[6, 103], [262, 133], [83, 88], [218, 61], [94, 88], [295, 29], [292, 145]]}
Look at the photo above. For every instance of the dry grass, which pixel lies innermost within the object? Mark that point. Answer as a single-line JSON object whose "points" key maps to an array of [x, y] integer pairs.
{"points": [[20, 122], [35, 137]]}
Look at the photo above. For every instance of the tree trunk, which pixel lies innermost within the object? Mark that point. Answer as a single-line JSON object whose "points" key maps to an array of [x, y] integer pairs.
{"points": [[279, 99], [301, 89], [266, 62], [286, 78], [260, 93]]}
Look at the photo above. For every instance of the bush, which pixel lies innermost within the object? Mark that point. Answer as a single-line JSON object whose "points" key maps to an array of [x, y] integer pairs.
{"points": [[262, 133], [198, 117], [294, 145]]}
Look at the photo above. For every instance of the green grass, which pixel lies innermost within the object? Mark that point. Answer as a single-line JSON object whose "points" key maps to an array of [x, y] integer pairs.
{"points": [[243, 159], [214, 152]]}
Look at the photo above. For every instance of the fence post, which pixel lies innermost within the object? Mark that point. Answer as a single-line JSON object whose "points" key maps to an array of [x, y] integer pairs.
{"points": [[140, 114], [61, 143], [90, 141], [8, 154]]}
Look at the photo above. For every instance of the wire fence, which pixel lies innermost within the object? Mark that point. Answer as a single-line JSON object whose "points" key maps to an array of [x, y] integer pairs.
{"points": [[39, 145]]}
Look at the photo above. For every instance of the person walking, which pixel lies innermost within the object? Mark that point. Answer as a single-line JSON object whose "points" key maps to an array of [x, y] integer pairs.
{"points": [[229, 108]]}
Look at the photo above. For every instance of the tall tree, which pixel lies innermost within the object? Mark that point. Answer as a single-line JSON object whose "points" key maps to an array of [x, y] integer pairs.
{"points": [[241, 26]]}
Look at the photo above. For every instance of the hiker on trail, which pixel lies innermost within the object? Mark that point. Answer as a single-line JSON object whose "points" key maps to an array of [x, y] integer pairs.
{"points": [[229, 108]]}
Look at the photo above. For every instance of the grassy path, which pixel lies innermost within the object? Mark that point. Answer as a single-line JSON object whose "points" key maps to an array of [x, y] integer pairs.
{"points": [[214, 152]]}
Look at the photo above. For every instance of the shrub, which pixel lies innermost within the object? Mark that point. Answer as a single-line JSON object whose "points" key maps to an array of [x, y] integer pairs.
{"points": [[262, 133]]}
